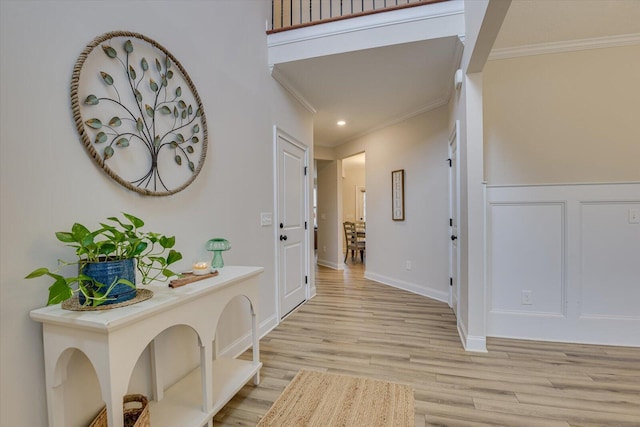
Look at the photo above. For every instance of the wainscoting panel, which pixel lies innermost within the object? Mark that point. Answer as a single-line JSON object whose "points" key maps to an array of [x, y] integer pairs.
{"points": [[610, 267], [563, 263], [528, 257]]}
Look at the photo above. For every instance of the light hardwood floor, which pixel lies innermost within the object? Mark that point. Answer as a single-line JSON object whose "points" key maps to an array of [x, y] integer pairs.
{"points": [[359, 327]]}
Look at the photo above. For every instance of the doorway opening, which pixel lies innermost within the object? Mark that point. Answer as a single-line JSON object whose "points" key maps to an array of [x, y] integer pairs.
{"points": [[354, 203]]}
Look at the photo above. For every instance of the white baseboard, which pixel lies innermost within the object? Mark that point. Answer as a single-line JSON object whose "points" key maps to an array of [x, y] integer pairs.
{"points": [[472, 343], [329, 264], [410, 287], [582, 330]]}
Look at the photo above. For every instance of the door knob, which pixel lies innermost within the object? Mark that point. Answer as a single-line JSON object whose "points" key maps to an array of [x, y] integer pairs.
{"points": [[283, 238], [454, 237]]}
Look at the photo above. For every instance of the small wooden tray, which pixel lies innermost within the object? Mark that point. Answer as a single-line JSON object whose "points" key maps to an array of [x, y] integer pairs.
{"points": [[186, 278]]}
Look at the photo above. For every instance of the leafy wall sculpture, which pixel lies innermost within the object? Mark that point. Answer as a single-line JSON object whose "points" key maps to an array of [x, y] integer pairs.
{"points": [[138, 113]]}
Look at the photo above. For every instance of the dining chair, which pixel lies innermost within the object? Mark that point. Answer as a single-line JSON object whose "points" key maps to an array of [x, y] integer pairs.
{"points": [[355, 240]]}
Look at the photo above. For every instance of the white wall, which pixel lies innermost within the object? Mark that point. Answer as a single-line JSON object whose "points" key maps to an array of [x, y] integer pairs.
{"points": [[48, 181], [329, 206], [483, 19], [466, 106], [323, 153], [563, 118], [419, 146], [572, 245]]}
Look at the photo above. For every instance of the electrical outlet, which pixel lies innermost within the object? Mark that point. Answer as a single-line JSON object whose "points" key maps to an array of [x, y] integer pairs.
{"points": [[634, 216], [407, 265], [527, 297]]}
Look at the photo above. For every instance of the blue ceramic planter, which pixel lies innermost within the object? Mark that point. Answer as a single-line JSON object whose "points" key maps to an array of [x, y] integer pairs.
{"points": [[108, 272]]}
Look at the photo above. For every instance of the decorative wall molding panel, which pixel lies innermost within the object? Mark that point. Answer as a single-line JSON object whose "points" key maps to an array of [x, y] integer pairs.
{"points": [[563, 263], [610, 254], [528, 248]]}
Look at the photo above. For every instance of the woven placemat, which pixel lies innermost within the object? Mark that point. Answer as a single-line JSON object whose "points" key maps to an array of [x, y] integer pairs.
{"points": [[74, 304]]}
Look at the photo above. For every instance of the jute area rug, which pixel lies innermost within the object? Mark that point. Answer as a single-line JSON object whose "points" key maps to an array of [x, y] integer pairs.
{"points": [[316, 399]]}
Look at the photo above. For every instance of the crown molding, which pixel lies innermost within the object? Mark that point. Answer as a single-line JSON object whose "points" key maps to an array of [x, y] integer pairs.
{"points": [[282, 79], [457, 57], [565, 46]]}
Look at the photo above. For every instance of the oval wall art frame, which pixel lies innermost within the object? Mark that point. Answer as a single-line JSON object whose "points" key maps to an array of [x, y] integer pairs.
{"points": [[138, 113]]}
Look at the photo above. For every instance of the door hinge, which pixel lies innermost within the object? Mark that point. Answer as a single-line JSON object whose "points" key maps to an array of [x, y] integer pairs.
{"points": [[449, 160], [450, 222], [306, 279], [305, 171], [305, 225], [450, 281]]}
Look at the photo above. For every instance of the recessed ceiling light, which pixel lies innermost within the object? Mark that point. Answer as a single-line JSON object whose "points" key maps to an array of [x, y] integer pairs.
{"points": [[341, 123]]}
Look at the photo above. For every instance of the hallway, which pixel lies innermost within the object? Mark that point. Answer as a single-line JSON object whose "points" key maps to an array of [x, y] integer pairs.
{"points": [[358, 327]]}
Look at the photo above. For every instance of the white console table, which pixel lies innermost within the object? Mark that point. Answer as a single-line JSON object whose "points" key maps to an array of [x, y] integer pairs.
{"points": [[113, 340]]}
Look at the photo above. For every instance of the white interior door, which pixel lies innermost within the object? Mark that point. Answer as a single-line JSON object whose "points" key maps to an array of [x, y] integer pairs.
{"points": [[291, 224], [453, 219]]}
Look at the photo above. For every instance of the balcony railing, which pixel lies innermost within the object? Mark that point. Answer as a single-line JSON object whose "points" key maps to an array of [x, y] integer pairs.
{"points": [[291, 14]]}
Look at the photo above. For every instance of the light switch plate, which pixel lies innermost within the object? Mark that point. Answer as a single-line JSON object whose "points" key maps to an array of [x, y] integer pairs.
{"points": [[634, 216], [266, 219]]}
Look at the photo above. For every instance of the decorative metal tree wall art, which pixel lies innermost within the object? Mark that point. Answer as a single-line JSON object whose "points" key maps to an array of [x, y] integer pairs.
{"points": [[138, 113]]}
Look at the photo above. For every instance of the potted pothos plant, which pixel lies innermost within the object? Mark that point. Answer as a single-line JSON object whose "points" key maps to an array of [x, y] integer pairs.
{"points": [[107, 260]]}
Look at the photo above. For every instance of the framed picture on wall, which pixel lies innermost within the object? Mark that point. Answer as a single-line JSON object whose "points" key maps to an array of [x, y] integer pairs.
{"points": [[397, 195]]}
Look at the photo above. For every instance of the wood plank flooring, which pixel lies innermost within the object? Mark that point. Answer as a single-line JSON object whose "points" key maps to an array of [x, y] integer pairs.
{"points": [[359, 327]]}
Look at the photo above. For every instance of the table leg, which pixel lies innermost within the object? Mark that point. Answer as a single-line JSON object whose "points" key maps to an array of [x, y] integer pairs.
{"points": [[256, 344]]}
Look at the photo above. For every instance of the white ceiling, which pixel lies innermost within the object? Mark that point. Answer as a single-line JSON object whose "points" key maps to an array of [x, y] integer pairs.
{"points": [[373, 88]]}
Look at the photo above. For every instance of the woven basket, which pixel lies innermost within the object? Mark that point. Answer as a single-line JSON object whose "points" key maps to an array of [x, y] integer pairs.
{"points": [[133, 417]]}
